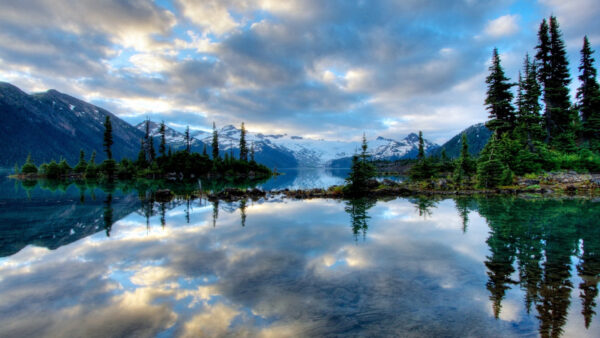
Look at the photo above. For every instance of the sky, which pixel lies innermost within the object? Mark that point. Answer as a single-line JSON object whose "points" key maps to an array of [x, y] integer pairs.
{"points": [[312, 68]]}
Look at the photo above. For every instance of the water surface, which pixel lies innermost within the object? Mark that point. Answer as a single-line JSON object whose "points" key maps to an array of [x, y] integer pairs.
{"points": [[118, 263]]}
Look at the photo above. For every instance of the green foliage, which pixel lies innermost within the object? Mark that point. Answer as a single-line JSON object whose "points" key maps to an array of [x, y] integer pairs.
{"points": [[52, 170], [162, 149], [188, 144], [559, 118], [215, 143], [64, 167], [243, 145], [465, 165], [425, 167], [29, 167], [491, 173], [92, 170], [361, 172], [588, 95], [499, 97], [126, 169], [81, 166]]}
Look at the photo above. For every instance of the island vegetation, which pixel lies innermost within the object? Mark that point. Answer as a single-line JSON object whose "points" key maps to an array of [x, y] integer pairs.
{"points": [[181, 164]]}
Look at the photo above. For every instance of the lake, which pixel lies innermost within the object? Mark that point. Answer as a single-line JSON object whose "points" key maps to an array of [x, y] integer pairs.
{"points": [[93, 260]]}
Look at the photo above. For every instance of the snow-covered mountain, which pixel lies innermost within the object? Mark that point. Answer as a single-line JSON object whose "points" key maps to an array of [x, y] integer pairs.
{"points": [[283, 150], [173, 138]]}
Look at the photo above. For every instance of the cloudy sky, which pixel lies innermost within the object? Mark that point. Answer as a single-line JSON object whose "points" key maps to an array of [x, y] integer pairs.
{"points": [[327, 69]]}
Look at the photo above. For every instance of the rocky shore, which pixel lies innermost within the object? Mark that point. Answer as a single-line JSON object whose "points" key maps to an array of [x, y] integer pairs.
{"points": [[548, 184]]}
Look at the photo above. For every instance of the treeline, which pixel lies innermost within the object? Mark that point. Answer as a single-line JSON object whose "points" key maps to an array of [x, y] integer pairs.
{"points": [[166, 164], [538, 129]]}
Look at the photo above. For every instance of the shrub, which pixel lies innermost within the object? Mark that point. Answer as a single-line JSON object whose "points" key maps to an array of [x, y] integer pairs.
{"points": [[29, 167]]}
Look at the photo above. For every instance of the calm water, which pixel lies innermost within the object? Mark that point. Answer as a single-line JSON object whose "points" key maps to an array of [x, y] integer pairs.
{"points": [[83, 261]]}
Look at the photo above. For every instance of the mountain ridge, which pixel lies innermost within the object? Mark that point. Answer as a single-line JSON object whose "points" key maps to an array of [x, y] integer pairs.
{"points": [[63, 124]]}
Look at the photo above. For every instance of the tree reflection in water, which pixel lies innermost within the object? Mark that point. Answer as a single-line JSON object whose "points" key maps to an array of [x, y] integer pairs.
{"points": [[531, 242], [542, 236], [357, 209]]}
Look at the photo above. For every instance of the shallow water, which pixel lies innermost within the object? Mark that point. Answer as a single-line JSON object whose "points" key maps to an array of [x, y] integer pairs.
{"points": [[120, 264]]}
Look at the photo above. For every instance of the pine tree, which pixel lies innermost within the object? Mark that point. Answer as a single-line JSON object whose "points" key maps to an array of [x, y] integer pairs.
{"points": [[499, 97], [252, 153], [362, 171], [215, 143], [588, 96], [82, 164], [557, 92], [108, 139], [147, 140], [528, 101], [141, 161], [204, 153], [421, 154], [91, 171], [243, 146], [188, 146], [423, 169], [465, 166], [559, 118], [151, 151], [29, 167], [162, 149], [543, 58]]}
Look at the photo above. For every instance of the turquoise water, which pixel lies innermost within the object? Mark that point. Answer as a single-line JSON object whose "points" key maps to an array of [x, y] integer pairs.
{"points": [[118, 263]]}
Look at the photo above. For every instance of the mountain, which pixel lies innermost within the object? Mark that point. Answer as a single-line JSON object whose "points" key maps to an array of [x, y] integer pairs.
{"points": [[390, 150], [51, 125], [288, 151], [173, 138], [477, 137]]}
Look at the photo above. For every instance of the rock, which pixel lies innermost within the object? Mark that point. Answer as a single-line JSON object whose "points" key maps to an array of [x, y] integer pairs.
{"points": [[528, 182], [442, 183]]}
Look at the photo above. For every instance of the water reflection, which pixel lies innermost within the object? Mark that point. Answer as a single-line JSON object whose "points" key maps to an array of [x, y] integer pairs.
{"points": [[511, 266], [357, 209]]}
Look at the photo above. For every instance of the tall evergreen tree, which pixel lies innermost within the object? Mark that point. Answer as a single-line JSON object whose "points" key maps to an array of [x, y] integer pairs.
{"points": [[108, 139], [361, 172], [499, 97], [243, 146], [204, 153], [466, 165], [252, 153], [554, 77], [82, 164], [557, 91], [162, 149], [588, 96], [188, 145], [141, 161], [151, 150], [421, 154], [29, 167], [215, 143], [543, 59], [147, 141], [528, 101]]}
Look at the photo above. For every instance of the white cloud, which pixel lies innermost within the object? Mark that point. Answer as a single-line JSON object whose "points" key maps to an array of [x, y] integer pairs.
{"points": [[503, 26]]}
